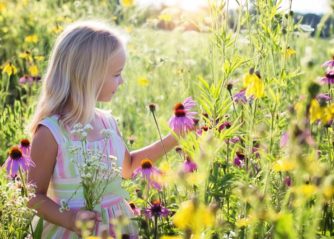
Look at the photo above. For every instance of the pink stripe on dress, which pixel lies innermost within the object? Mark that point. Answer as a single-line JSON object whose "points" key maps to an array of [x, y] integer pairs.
{"points": [[60, 164], [66, 234]]}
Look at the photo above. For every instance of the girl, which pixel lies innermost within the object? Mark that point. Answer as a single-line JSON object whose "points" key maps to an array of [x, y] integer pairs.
{"points": [[85, 67]]}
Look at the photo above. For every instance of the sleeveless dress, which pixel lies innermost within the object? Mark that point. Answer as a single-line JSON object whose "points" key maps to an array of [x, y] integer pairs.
{"points": [[65, 181]]}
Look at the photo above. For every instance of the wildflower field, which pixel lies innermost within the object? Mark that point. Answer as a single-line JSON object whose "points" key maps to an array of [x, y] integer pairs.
{"points": [[260, 162]]}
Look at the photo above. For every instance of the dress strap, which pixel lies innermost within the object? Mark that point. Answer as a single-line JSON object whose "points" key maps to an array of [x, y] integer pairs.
{"points": [[52, 124], [104, 122]]}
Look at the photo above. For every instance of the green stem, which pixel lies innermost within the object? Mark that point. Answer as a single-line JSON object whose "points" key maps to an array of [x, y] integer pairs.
{"points": [[156, 124]]}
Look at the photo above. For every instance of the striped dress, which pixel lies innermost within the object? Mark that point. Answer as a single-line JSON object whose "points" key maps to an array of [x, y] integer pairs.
{"points": [[65, 181]]}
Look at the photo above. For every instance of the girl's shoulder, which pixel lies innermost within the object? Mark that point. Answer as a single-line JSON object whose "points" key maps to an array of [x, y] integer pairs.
{"points": [[51, 124]]}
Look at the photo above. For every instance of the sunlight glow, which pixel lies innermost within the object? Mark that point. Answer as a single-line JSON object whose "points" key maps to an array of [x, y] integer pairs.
{"points": [[302, 6]]}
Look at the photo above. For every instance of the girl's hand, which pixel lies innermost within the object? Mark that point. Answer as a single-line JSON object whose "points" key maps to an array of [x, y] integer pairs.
{"points": [[84, 221]]}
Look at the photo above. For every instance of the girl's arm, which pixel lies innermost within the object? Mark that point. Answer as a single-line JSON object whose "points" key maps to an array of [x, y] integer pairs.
{"points": [[44, 150], [43, 153]]}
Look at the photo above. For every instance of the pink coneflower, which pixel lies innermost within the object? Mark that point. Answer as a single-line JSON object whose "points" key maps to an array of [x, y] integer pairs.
{"points": [[17, 160], [287, 181], [156, 210], [239, 160], [240, 97], [136, 210], [25, 147], [147, 170], [329, 63], [329, 78], [225, 125], [26, 79], [284, 140], [183, 119], [202, 129], [323, 97], [234, 139], [189, 166]]}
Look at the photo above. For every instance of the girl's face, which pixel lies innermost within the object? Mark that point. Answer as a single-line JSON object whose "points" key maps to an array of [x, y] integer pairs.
{"points": [[114, 77]]}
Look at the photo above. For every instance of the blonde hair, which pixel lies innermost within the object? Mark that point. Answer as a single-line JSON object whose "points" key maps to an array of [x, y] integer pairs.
{"points": [[76, 71]]}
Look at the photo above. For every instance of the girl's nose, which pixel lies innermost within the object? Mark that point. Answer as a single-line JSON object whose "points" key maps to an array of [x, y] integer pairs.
{"points": [[120, 81]]}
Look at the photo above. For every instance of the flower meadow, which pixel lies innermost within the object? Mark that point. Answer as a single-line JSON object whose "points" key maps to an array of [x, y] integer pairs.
{"points": [[247, 92]]}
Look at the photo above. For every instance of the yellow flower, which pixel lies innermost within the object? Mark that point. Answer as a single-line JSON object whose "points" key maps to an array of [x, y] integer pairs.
{"points": [[128, 29], [9, 69], [25, 55], [327, 113], [195, 178], [143, 81], [165, 17], [254, 85], [127, 3], [39, 58], [2, 7], [33, 70], [57, 29], [289, 52], [284, 165], [306, 190], [315, 111], [243, 222], [31, 38], [249, 78], [194, 216], [168, 176], [328, 191]]}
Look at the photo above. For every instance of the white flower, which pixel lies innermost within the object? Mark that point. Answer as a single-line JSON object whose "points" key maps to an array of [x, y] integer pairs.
{"points": [[63, 206], [83, 134], [88, 127], [106, 133], [112, 157]]}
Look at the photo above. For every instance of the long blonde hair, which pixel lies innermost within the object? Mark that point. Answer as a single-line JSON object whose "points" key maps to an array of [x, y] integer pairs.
{"points": [[76, 70]]}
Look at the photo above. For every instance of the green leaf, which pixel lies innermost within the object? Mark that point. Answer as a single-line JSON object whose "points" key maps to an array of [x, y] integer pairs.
{"points": [[37, 233], [284, 227]]}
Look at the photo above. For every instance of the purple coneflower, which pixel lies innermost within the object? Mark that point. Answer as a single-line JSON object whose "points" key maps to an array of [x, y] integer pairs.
{"points": [[323, 97], [25, 147], [240, 97], [329, 63], [284, 140], [189, 166], [147, 171], [17, 160], [329, 78], [26, 79], [201, 130], [234, 139], [287, 181], [239, 160], [183, 119], [225, 125], [156, 210]]}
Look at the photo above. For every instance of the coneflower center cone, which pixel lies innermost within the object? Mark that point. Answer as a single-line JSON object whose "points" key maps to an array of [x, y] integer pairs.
{"points": [[146, 164], [25, 143], [15, 153], [179, 110]]}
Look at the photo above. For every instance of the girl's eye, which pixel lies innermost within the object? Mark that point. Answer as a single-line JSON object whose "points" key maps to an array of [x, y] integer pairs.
{"points": [[117, 75]]}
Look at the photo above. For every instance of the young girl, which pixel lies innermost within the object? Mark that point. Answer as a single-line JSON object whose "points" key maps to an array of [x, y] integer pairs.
{"points": [[85, 67]]}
